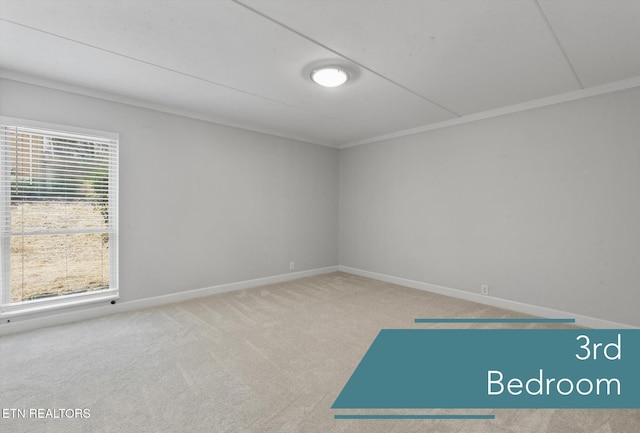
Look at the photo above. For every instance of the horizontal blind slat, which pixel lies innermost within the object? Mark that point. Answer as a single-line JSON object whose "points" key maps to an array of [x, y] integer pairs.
{"points": [[53, 169], [56, 134]]}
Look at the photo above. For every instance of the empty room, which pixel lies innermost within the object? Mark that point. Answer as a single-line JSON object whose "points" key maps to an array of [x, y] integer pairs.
{"points": [[320, 216]]}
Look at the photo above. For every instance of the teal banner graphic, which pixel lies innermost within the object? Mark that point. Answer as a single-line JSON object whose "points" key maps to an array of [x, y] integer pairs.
{"points": [[497, 368]]}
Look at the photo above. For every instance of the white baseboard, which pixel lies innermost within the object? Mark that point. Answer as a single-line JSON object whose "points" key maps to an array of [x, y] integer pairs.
{"points": [[22, 324], [26, 323], [534, 310]]}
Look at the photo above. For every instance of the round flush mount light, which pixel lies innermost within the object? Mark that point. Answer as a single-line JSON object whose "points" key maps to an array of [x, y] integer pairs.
{"points": [[330, 76]]}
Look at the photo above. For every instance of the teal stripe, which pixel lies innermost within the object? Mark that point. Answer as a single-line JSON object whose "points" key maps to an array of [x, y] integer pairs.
{"points": [[414, 416], [482, 320]]}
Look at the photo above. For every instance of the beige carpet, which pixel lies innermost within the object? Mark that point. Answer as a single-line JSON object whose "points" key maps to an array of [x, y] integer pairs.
{"points": [[269, 359]]}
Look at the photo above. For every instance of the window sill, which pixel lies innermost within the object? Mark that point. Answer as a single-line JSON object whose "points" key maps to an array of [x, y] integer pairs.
{"points": [[46, 305]]}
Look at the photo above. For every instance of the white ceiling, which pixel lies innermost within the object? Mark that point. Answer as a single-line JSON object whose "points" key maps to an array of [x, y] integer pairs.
{"points": [[245, 63]]}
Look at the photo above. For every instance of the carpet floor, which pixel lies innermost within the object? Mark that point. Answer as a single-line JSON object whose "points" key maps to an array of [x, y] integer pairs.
{"points": [[267, 359]]}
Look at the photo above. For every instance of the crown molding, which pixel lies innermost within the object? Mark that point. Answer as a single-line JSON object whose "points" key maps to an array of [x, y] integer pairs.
{"points": [[497, 112], [502, 111], [127, 100]]}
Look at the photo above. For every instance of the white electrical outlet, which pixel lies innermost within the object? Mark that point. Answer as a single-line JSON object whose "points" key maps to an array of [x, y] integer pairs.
{"points": [[484, 289], [292, 266]]}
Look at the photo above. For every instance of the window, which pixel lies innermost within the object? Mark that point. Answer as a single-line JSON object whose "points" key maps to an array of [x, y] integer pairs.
{"points": [[58, 216]]}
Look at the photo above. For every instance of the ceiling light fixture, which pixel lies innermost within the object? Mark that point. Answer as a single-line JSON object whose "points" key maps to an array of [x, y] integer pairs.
{"points": [[330, 76]]}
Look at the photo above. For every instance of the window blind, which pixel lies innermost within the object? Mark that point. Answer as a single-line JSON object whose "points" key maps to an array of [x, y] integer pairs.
{"points": [[58, 213]]}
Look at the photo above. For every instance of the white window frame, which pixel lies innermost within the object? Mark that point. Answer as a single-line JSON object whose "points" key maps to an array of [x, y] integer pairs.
{"points": [[9, 309]]}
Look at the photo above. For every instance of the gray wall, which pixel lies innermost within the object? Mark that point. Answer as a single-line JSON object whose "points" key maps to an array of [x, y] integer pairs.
{"points": [[202, 204], [542, 205]]}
